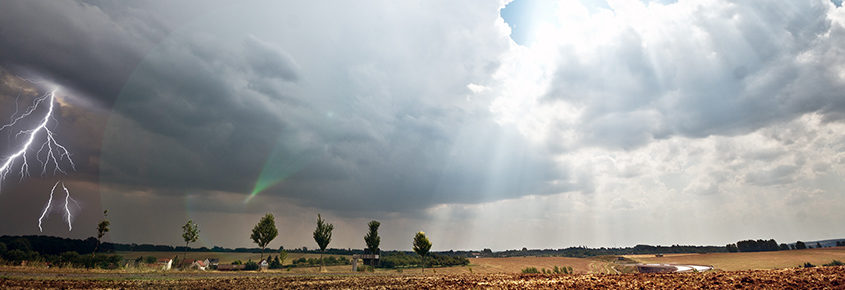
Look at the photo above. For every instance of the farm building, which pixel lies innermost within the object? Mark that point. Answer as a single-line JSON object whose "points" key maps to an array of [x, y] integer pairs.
{"points": [[200, 264]]}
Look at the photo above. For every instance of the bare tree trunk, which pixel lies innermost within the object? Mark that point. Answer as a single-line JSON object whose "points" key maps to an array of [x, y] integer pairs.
{"points": [[185, 255], [322, 264]]}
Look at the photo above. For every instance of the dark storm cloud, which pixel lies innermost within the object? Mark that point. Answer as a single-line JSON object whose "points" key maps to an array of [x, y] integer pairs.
{"points": [[90, 46], [77, 44], [358, 124]]}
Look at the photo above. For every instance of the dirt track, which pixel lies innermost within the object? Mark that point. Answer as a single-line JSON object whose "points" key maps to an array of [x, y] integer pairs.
{"points": [[810, 278]]}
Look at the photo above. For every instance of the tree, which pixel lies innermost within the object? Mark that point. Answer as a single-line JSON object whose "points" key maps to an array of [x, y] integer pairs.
{"points": [[421, 246], [282, 256], [190, 233], [818, 245], [372, 239], [264, 232], [800, 245], [323, 236], [102, 229]]}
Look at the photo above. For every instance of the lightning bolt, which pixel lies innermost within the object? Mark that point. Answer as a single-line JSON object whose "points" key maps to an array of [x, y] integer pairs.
{"points": [[67, 210], [46, 208], [52, 151]]}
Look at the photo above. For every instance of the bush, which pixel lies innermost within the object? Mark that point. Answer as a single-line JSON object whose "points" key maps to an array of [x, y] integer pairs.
{"points": [[329, 261], [150, 260], [562, 270], [251, 265], [18, 255], [397, 260], [808, 265], [68, 258], [835, 263], [530, 270], [275, 263], [237, 262]]}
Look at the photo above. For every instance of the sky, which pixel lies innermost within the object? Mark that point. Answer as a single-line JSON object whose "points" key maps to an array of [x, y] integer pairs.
{"points": [[486, 124]]}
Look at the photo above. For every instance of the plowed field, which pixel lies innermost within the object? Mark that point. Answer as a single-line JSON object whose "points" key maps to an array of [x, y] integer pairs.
{"points": [[804, 278]]}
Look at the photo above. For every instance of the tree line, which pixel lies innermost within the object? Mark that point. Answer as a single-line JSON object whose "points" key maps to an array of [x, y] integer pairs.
{"points": [[265, 231], [771, 245], [583, 252]]}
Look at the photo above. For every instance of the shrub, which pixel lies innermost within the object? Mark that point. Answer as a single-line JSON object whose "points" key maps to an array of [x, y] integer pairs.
{"points": [[237, 262], [530, 270], [68, 258], [808, 265], [399, 259], [18, 255], [275, 263], [251, 265], [150, 260], [835, 263]]}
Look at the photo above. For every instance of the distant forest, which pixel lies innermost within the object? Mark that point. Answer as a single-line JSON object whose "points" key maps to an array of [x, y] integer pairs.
{"points": [[48, 245]]}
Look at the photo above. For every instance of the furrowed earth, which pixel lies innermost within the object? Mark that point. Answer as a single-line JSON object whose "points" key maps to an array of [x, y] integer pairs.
{"points": [[803, 278]]}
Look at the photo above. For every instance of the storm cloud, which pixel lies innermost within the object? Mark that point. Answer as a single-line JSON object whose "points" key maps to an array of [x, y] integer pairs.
{"points": [[429, 115]]}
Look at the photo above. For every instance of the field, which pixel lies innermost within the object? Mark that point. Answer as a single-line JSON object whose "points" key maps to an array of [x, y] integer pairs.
{"points": [[750, 261], [733, 270], [809, 278], [721, 261], [516, 264]]}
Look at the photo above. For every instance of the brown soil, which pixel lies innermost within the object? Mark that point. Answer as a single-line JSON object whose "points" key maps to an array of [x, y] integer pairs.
{"points": [[804, 278]]}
